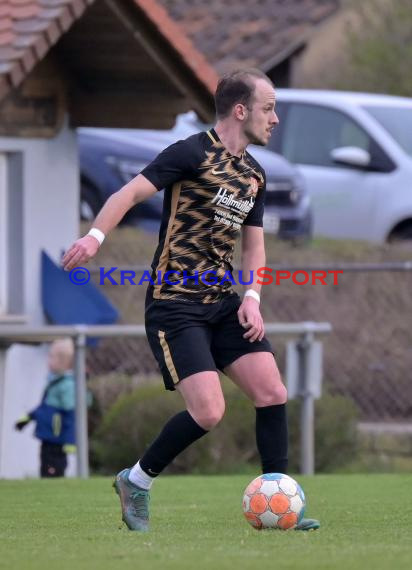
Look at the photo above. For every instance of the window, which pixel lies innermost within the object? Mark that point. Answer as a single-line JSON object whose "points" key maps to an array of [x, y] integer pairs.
{"points": [[397, 121], [311, 132], [3, 234], [11, 233]]}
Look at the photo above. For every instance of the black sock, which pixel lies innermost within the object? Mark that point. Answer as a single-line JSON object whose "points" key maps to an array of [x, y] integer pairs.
{"points": [[178, 433], [272, 438]]}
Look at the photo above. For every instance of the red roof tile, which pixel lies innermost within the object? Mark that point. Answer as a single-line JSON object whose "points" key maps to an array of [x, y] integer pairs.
{"points": [[29, 10], [6, 38], [27, 30]]}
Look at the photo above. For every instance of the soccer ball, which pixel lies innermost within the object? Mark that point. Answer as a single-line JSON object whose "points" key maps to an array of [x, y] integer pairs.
{"points": [[274, 500]]}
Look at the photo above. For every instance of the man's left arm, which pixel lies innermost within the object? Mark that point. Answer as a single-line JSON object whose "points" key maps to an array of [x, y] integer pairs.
{"points": [[253, 257]]}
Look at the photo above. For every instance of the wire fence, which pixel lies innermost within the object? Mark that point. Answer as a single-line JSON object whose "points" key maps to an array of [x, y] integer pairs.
{"points": [[368, 357]]}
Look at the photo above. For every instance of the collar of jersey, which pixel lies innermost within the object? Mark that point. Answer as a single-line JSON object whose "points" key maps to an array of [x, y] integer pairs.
{"points": [[217, 139]]}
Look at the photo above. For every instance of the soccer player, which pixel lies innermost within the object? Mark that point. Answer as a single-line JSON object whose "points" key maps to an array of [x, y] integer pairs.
{"points": [[195, 323]]}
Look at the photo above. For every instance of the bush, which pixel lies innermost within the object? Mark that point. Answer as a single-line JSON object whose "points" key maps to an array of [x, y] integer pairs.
{"points": [[134, 421], [336, 442]]}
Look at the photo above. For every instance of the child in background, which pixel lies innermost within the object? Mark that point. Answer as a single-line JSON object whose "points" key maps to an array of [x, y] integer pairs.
{"points": [[54, 416]]}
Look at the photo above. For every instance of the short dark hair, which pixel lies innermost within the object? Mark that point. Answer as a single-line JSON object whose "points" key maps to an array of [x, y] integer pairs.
{"points": [[236, 87]]}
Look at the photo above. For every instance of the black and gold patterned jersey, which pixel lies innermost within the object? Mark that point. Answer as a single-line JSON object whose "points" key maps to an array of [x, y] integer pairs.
{"points": [[209, 195]]}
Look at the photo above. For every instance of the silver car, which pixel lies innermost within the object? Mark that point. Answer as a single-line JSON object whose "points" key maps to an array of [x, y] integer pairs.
{"points": [[355, 153]]}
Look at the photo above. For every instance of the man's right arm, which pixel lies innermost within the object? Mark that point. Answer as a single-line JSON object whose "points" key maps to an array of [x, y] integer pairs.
{"points": [[85, 248]]}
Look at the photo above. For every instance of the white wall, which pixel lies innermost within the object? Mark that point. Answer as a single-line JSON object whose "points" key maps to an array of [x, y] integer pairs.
{"points": [[50, 204], [3, 232], [50, 222], [26, 370]]}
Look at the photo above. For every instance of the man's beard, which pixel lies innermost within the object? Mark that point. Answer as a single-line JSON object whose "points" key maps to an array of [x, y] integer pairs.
{"points": [[253, 138]]}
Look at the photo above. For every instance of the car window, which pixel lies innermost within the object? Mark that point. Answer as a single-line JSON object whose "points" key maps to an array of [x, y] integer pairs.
{"points": [[397, 121], [311, 132]]}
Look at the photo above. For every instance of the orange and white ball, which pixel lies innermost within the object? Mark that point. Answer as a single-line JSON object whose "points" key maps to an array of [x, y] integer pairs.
{"points": [[274, 500]]}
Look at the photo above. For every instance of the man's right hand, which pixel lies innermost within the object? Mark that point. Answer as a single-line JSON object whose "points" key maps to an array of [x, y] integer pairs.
{"points": [[80, 252]]}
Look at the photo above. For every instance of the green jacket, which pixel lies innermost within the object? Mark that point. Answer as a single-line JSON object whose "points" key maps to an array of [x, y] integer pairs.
{"points": [[61, 395]]}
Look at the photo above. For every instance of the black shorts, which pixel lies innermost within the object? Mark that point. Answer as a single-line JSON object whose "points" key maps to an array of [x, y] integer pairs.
{"points": [[187, 338]]}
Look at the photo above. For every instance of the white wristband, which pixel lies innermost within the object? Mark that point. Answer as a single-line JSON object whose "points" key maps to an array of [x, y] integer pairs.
{"points": [[98, 234], [253, 293]]}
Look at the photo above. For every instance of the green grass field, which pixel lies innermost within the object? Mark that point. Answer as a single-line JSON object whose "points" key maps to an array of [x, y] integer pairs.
{"points": [[197, 523]]}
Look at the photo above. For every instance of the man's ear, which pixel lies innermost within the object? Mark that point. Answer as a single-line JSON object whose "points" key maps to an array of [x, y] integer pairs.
{"points": [[240, 111]]}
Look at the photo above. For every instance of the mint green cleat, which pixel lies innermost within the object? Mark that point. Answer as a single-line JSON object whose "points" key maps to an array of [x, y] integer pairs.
{"points": [[134, 502], [308, 524]]}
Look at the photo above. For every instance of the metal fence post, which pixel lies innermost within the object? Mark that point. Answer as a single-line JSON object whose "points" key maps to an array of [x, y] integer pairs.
{"points": [[81, 407], [307, 413]]}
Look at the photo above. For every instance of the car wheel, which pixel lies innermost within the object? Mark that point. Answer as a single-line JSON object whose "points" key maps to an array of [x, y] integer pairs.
{"points": [[307, 234], [401, 233], [89, 203]]}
